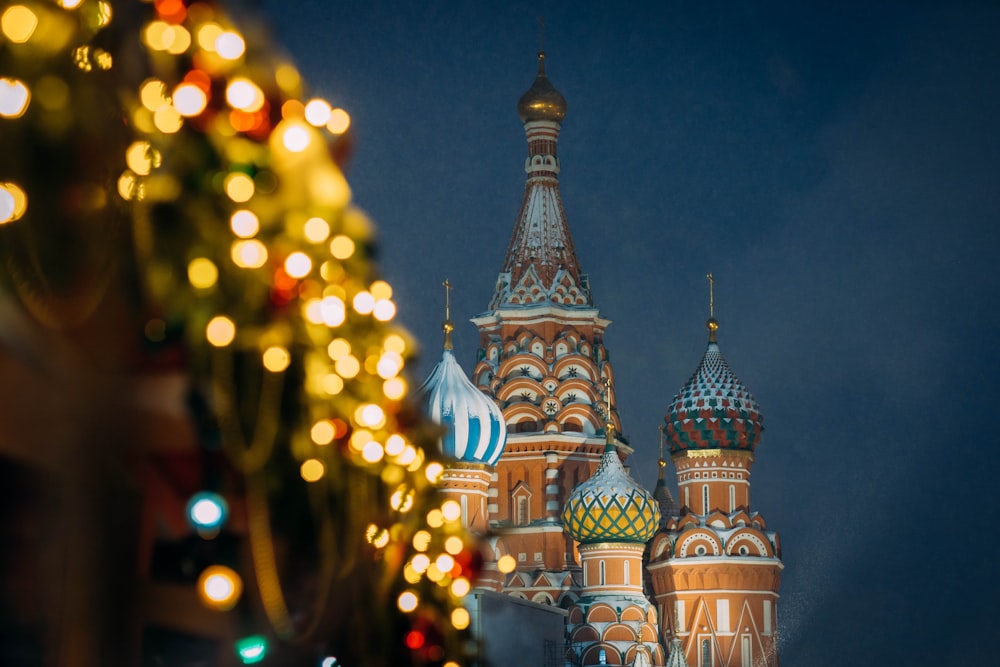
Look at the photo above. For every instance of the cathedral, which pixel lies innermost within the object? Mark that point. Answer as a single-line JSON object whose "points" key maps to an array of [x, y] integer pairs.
{"points": [[631, 577]]}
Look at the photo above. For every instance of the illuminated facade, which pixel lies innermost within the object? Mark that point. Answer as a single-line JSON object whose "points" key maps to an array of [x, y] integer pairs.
{"points": [[573, 529]]}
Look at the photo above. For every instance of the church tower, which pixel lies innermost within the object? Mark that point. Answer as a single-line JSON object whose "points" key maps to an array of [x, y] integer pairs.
{"points": [[612, 518], [715, 568], [542, 358], [474, 431]]}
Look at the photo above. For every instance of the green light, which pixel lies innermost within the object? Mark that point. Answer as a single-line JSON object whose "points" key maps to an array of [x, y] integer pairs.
{"points": [[252, 649]]}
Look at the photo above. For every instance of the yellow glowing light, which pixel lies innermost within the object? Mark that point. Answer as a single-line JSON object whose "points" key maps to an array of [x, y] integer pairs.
{"points": [[128, 186], [407, 601], [13, 202], [312, 470], [316, 230], [243, 94], [347, 367], [220, 331], [411, 575], [394, 343], [445, 562], [363, 303], [401, 500], [420, 563], [153, 94], [103, 15], [380, 289], [287, 78], [18, 23], [138, 158], [339, 121], [408, 455], [460, 587], [359, 439], [333, 384], [421, 540], [189, 99], [295, 137], [239, 187], [389, 365], [250, 254], [177, 39], [244, 224], [451, 510], [394, 444], [14, 98], [70, 4], [460, 618], [435, 519], [506, 564], [338, 348], [384, 310], [298, 265], [370, 416], [219, 587], [372, 452], [454, 545], [202, 273], [230, 45], [207, 34], [433, 471], [276, 358], [334, 311], [434, 574], [317, 112], [322, 432], [341, 247], [167, 120], [378, 537]]}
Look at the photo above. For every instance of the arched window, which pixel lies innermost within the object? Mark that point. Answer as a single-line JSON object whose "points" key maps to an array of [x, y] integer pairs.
{"points": [[601, 580], [704, 498], [706, 653], [732, 498], [626, 574], [522, 511]]}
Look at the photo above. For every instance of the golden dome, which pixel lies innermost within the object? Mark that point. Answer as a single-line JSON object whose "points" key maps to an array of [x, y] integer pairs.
{"points": [[542, 101]]}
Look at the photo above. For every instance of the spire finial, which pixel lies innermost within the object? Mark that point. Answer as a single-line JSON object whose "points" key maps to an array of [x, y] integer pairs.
{"points": [[662, 462], [541, 45], [608, 424], [447, 326], [713, 324]]}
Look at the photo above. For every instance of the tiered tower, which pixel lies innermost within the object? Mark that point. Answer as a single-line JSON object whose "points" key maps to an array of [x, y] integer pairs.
{"points": [[474, 431], [612, 517], [542, 357], [715, 568]]}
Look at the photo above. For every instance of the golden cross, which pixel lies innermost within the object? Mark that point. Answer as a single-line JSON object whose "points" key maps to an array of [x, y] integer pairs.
{"points": [[447, 299], [660, 427], [711, 296]]}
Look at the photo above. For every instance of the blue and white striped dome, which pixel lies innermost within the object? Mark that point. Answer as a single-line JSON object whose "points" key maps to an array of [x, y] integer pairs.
{"points": [[475, 431]]}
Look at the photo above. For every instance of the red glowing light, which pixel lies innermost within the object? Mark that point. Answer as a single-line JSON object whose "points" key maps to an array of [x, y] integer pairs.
{"points": [[173, 11], [414, 639]]}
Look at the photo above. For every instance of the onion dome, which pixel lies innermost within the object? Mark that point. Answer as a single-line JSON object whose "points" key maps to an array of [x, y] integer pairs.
{"points": [[542, 101], [475, 431], [714, 410], [611, 506]]}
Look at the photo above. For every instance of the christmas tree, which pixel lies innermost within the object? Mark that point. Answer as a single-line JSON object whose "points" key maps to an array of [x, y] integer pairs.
{"points": [[172, 206]]}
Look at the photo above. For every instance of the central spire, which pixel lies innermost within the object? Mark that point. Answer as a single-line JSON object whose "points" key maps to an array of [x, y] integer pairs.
{"points": [[541, 265]]}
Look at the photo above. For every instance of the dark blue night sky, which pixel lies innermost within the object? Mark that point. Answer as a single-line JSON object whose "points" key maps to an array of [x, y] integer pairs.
{"points": [[836, 167]]}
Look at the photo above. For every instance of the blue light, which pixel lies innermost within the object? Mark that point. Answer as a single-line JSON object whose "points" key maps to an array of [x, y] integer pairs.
{"points": [[207, 510]]}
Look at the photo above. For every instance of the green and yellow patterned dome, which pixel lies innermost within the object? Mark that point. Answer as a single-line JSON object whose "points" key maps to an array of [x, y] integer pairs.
{"points": [[611, 506]]}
